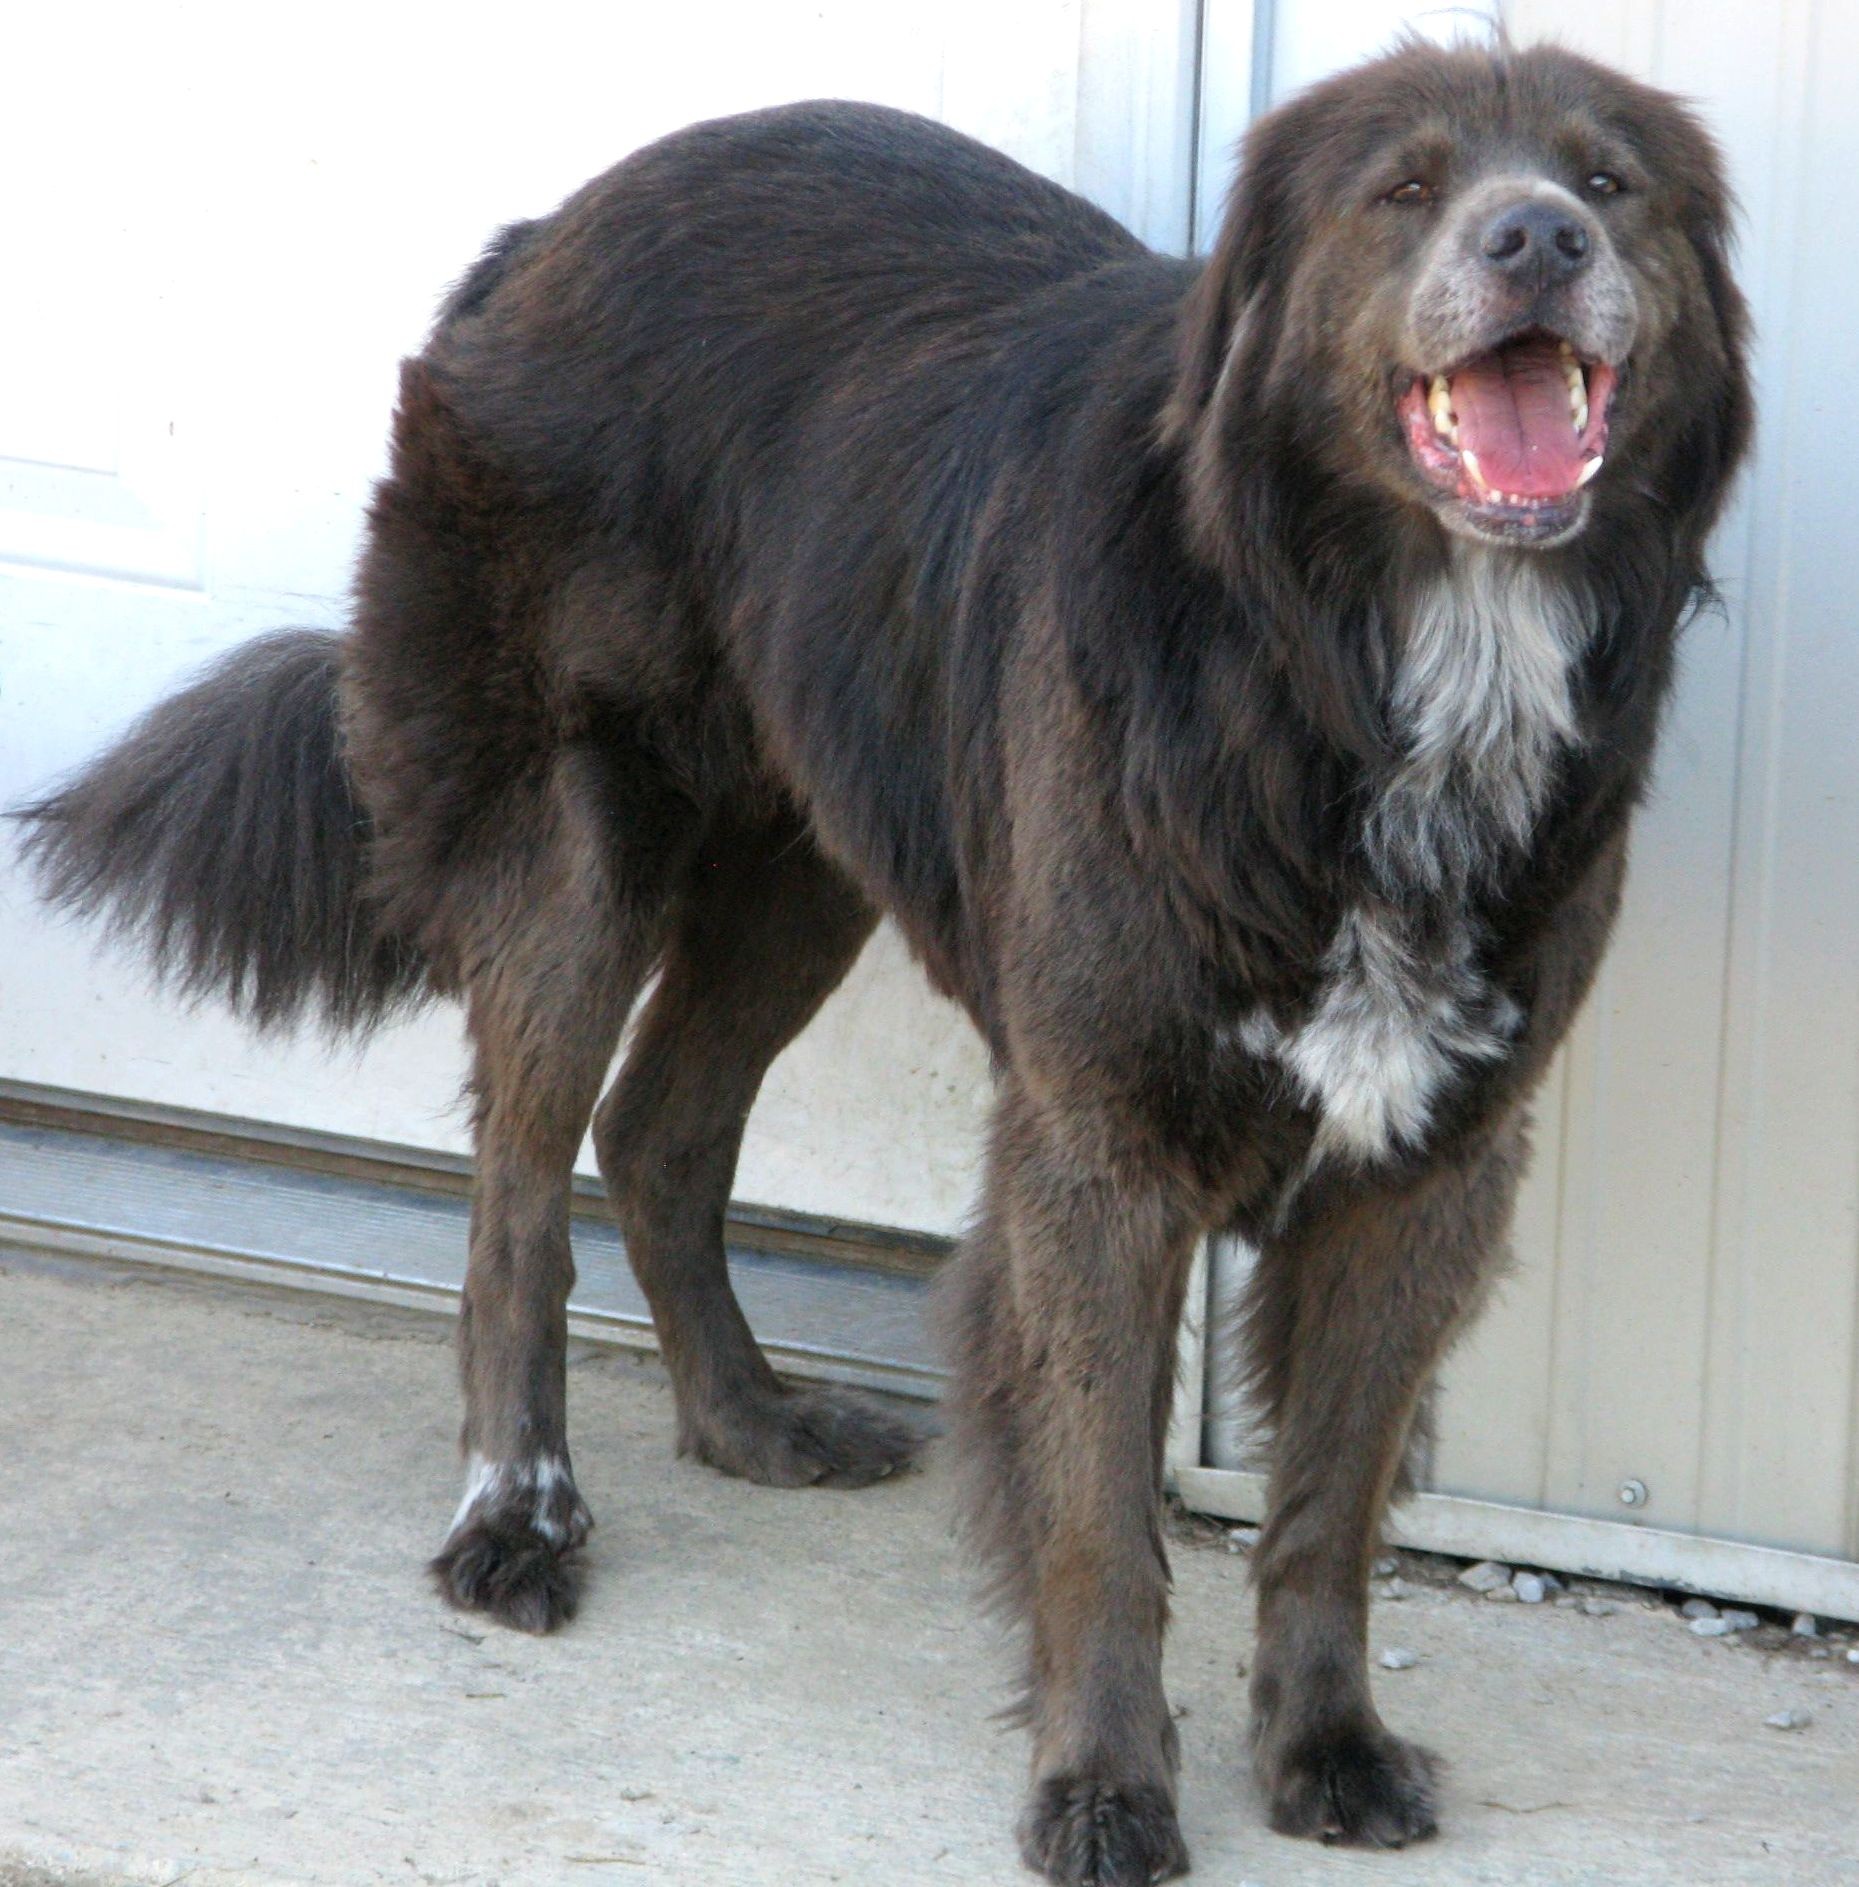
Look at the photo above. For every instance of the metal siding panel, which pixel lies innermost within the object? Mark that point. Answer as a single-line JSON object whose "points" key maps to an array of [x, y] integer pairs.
{"points": [[1685, 1309], [1639, 1160], [1704, 1269], [1780, 1451], [1496, 1387]]}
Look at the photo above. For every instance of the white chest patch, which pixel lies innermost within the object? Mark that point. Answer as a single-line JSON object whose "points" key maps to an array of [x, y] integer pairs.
{"points": [[1388, 1029], [1483, 706], [1482, 700]]}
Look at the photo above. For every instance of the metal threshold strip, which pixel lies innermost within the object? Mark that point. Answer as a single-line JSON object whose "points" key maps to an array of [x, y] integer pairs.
{"points": [[172, 1197], [119, 1181]]}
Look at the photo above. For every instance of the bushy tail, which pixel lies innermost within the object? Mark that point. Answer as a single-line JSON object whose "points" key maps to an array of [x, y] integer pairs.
{"points": [[222, 835]]}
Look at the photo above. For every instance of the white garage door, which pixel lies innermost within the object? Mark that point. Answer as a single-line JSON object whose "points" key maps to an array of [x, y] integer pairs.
{"points": [[230, 224]]}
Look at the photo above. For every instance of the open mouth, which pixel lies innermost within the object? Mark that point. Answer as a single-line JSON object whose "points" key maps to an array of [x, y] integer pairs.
{"points": [[1514, 435]]}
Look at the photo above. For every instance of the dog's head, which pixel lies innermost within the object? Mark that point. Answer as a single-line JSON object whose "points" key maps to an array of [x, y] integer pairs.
{"points": [[1488, 284]]}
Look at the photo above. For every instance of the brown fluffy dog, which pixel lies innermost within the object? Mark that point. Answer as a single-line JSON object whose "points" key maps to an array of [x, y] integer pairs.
{"points": [[1235, 680]]}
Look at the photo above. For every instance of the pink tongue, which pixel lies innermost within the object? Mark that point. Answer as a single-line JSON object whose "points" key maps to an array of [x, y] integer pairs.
{"points": [[1513, 412]]}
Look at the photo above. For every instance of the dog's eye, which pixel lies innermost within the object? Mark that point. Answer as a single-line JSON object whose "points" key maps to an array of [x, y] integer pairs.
{"points": [[1414, 190], [1603, 183]]}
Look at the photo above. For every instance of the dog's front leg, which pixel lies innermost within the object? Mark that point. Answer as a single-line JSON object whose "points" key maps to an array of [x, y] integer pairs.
{"points": [[1066, 1301], [1353, 1305]]}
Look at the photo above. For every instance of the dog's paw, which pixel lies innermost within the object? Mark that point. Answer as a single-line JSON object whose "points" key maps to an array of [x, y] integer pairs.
{"points": [[1084, 1832], [805, 1438], [1353, 1783], [510, 1550], [502, 1566]]}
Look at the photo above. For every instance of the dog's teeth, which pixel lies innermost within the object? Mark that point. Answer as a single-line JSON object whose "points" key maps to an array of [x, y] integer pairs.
{"points": [[1470, 460], [1439, 403], [1566, 351], [1587, 472]]}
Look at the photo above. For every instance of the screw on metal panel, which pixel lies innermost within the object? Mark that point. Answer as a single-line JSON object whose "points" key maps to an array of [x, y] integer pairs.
{"points": [[1633, 1493]]}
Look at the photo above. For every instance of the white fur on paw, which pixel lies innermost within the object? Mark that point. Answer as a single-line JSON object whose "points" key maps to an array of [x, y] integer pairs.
{"points": [[539, 1481]]}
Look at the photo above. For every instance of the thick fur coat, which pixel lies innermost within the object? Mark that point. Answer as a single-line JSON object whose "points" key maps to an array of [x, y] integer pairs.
{"points": [[1234, 678]]}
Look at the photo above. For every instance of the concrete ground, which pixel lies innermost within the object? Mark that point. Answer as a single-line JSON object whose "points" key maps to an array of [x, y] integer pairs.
{"points": [[219, 1661]]}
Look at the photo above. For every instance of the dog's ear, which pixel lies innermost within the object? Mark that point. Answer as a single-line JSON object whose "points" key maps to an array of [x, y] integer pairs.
{"points": [[1258, 238]]}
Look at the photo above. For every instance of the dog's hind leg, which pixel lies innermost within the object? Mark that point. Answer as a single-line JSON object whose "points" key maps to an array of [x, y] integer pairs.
{"points": [[560, 937], [1064, 1305], [765, 933], [1352, 1307]]}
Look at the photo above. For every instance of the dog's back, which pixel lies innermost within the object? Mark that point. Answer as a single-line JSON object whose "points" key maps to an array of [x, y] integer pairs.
{"points": [[633, 493]]}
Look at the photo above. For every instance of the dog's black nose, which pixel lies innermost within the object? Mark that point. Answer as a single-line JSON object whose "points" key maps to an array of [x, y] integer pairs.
{"points": [[1537, 239]]}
